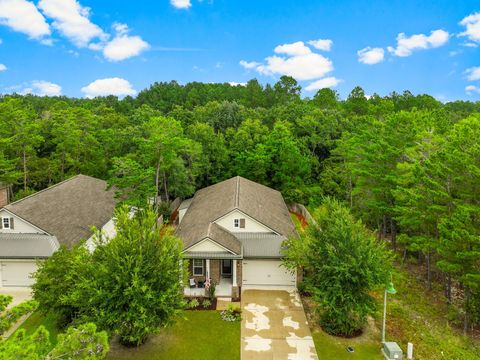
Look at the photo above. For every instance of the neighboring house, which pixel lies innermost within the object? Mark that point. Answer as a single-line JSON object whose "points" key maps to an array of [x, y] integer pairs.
{"points": [[34, 227], [233, 233]]}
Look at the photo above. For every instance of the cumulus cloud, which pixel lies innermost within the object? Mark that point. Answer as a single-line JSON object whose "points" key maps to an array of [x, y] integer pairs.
{"points": [[234, 83], [327, 82], [321, 44], [406, 45], [473, 73], [471, 89], [295, 49], [24, 17], [124, 46], [2, 67], [249, 64], [298, 61], [109, 86], [41, 88], [370, 55], [472, 27], [181, 4], [72, 20]]}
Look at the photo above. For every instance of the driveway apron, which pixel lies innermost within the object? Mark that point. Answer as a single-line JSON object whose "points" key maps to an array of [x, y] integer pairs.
{"points": [[274, 326]]}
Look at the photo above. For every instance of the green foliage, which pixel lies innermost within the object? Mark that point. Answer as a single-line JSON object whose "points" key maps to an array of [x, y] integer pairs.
{"points": [[211, 289], [4, 301], [21, 346], [82, 342], [231, 313], [57, 281], [192, 304], [206, 303], [9, 317], [343, 263], [133, 286]]}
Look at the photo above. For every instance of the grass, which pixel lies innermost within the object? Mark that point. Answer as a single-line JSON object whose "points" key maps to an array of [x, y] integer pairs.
{"points": [[37, 319], [200, 335]]}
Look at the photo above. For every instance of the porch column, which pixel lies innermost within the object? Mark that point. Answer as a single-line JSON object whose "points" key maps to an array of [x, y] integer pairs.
{"points": [[207, 273], [234, 272]]}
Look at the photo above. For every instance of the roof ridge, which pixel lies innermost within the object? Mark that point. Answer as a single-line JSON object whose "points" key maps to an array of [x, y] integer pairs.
{"points": [[47, 188]]}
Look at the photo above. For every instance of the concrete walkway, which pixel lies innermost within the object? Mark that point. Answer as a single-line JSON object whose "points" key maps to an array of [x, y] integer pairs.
{"points": [[274, 326]]}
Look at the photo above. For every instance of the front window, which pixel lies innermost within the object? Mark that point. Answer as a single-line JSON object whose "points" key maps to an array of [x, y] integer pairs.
{"points": [[6, 223], [197, 267], [236, 223]]}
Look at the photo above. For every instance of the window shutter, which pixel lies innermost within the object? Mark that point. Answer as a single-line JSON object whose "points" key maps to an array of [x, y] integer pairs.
{"points": [[1, 223], [11, 223], [242, 223]]}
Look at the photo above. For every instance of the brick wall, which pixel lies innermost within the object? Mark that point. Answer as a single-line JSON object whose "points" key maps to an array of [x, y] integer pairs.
{"points": [[215, 270], [3, 196]]}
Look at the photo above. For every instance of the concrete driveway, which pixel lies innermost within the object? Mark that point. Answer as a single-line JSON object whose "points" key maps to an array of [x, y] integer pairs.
{"points": [[274, 326], [19, 294]]}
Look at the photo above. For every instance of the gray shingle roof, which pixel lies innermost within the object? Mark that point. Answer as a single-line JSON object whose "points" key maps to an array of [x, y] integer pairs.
{"points": [[261, 245], [27, 246], [68, 209], [260, 202]]}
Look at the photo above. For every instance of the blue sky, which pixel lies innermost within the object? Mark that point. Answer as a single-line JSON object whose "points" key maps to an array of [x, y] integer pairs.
{"points": [[87, 48]]}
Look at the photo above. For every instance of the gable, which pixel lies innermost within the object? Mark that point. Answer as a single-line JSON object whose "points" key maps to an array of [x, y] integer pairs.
{"points": [[20, 225], [251, 225], [207, 245]]}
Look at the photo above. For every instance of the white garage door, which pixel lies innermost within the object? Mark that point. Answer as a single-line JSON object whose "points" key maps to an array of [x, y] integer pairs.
{"points": [[17, 273], [266, 273]]}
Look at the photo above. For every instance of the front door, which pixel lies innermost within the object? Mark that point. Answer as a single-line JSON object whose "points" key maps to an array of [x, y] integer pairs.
{"points": [[227, 268]]}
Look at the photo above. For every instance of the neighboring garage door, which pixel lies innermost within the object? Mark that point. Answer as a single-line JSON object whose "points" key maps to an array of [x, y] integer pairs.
{"points": [[17, 273], [266, 273]]}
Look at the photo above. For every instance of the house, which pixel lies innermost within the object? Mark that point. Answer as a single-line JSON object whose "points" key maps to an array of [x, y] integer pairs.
{"points": [[233, 233], [34, 227]]}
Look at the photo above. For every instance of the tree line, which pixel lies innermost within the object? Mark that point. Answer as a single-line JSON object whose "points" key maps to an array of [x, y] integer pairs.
{"points": [[407, 165]]}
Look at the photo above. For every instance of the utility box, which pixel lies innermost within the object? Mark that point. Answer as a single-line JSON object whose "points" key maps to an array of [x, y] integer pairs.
{"points": [[392, 351]]}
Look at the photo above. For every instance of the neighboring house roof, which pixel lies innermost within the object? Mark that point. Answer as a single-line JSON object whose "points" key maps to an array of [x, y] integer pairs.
{"points": [[185, 204], [68, 209], [260, 202], [261, 245], [27, 246]]}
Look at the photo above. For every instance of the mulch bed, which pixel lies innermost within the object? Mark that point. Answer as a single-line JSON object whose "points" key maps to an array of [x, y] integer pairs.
{"points": [[213, 305]]}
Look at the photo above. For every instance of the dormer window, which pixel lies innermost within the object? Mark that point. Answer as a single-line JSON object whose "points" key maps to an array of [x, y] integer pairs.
{"points": [[239, 223], [7, 223]]}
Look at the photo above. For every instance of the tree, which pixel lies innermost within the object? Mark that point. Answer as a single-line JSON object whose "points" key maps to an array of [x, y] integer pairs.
{"points": [[286, 90], [82, 342], [56, 281], [21, 346], [343, 263], [326, 99], [135, 287]]}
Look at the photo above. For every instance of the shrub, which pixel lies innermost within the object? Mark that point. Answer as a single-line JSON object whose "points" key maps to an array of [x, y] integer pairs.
{"points": [[192, 304], [15, 313], [206, 303], [232, 313], [211, 290]]}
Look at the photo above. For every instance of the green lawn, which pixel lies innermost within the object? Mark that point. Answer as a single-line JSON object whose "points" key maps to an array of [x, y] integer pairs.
{"points": [[37, 319], [332, 347], [201, 335]]}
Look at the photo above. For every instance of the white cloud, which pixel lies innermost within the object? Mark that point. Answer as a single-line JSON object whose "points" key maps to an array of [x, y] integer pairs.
{"points": [[249, 64], [472, 25], [303, 67], [470, 89], [370, 55], [295, 49], [123, 46], [109, 86], [327, 82], [72, 20], [473, 73], [41, 88], [321, 44], [233, 83], [3, 67], [406, 45], [181, 4], [24, 17]]}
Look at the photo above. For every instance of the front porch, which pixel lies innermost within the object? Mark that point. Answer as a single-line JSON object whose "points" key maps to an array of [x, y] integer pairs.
{"points": [[221, 272]]}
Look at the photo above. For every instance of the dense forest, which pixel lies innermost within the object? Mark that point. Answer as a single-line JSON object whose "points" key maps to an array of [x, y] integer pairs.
{"points": [[407, 165]]}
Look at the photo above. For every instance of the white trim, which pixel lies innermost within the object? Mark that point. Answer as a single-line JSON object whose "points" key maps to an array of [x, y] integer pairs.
{"points": [[247, 216], [209, 239], [28, 222], [198, 266]]}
